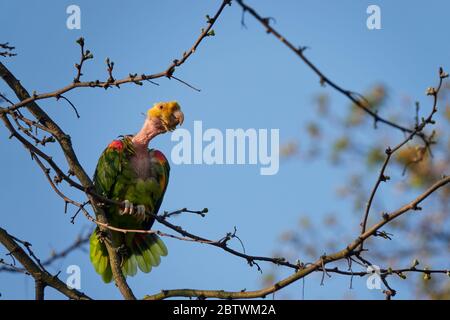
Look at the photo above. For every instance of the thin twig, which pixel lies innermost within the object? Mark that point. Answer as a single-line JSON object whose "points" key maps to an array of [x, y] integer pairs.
{"points": [[117, 82], [299, 51], [389, 152], [36, 271]]}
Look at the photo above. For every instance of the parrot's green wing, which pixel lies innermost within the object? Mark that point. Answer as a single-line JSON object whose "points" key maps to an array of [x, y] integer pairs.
{"points": [[161, 171], [115, 179], [106, 175], [110, 166]]}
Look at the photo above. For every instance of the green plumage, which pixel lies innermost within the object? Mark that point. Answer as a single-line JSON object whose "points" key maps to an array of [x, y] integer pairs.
{"points": [[117, 178]]}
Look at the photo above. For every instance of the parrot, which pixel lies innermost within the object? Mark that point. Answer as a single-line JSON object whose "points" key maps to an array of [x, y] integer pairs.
{"points": [[131, 173]]}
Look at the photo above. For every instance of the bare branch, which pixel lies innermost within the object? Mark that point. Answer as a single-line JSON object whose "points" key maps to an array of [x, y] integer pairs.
{"points": [[389, 152], [299, 51], [79, 242], [37, 271], [72, 160], [6, 50], [313, 267], [168, 73]]}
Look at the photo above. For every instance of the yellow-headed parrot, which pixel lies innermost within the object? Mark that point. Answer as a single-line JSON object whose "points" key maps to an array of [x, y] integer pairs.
{"points": [[129, 172]]}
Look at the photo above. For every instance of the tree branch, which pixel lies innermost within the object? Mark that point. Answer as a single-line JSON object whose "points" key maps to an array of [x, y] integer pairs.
{"points": [[41, 276], [389, 152], [6, 50], [132, 78], [64, 140], [39, 288], [54, 256], [74, 165], [317, 265], [360, 102]]}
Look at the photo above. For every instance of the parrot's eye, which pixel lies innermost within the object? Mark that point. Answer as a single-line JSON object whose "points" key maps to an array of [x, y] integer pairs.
{"points": [[161, 107]]}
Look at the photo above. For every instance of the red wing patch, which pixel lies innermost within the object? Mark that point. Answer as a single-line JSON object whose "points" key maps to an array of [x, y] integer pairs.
{"points": [[160, 156], [116, 145], [162, 160]]}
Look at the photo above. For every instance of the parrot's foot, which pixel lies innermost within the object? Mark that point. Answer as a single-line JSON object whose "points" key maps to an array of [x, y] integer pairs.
{"points": [[129, 208], [140, 214], [123, 252], [103, 237]]}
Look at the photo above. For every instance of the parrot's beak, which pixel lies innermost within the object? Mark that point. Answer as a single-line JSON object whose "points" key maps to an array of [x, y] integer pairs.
{"points": [[176, 118], [179, 116]]}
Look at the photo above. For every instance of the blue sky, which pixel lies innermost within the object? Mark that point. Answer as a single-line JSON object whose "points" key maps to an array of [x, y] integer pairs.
{"points": [[247, 80]]}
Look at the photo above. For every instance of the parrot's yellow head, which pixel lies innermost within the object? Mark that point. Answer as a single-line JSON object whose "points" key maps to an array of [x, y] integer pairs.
{"points": [[169, 114]]}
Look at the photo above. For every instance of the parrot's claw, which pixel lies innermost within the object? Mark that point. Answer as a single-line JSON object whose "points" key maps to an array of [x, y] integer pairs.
{"points": [[128, 207], [140, 214], [103, 237], [123, 252]]}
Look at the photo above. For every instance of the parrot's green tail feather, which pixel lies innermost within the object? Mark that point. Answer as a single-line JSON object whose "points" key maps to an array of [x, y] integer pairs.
{"points": [[99, 257], [146, 251]]}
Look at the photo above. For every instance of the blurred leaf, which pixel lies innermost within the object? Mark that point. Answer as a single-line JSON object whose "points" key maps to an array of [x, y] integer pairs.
{"points": [[373, 100], [416, 181], [375, 156], [287, 236], [447, 112], [304, 222], [323, 102], [289, 149], [313, 130], [269, 279], [406, 155], [330, 220], [341, 144]]}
